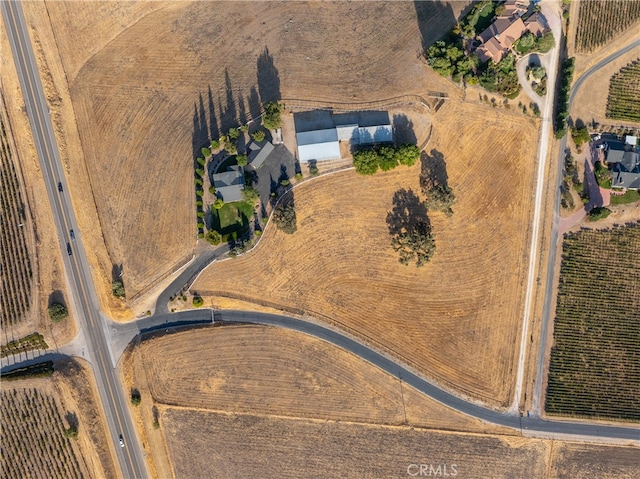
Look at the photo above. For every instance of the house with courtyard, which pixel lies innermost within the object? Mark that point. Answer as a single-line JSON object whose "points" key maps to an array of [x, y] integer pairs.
{"points": [[229, 185], [498, 39]]}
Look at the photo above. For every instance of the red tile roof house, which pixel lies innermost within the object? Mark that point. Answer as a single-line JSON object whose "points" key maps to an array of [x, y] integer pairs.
{"points": [[499, 38]]}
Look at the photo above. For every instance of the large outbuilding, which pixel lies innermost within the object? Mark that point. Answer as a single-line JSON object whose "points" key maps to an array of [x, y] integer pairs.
{"points": [[318, 145], [325, 144]]}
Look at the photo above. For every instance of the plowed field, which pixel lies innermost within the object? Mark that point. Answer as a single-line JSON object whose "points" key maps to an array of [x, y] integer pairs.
{"points": [[139, 90], [255, 446], [263, 370]]}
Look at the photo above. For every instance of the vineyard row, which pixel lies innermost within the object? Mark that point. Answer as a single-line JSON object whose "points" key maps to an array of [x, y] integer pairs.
{"points": [[15, 264]]}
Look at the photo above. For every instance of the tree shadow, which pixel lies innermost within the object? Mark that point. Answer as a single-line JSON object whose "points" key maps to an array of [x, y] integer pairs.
{"points": [[255, 108], [200, 136], [117, 273], [228, 116], [433, 17], [72, 420], [433, 170], [404, 132], [56, 296], [407, 212], [214, 131], [268, 77]]}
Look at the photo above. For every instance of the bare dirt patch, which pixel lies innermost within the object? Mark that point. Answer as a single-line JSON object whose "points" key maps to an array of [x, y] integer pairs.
{"points": [[456, 319], [280, 447], [134, 104]]}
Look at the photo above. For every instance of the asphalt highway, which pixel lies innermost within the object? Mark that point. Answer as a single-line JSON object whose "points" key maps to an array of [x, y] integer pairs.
{"points": [[540, 361], [82, 290]]}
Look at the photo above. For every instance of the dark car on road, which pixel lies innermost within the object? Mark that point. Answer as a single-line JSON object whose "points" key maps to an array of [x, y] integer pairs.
{"points": [[60, 186], [72, 234], [69, 249]]}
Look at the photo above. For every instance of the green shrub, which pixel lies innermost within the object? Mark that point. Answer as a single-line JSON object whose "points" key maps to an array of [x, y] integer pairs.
{"points": [[117, 288], [258, 136], [199, 193], [199, 203], [271, 117], [219, 203], [71, 433], [200, 235], [242, 160], [215, 144], [199, 172], [258, 233], [201, 161], [313, 170], [298, 176], [200, 225], [197, 301], [244, 128], [136, 399], [206, 152], [212, 190], [285, 182], [599, 213], [200, 214], [57, 312], [197, 182], [233, 134], [214, 237]]}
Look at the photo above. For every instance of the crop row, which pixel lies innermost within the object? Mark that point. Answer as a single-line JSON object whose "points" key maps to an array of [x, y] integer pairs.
{"points": [[30, 342], [595, 362], [33, 439], [15, 263], [602, 20], [624, 93]]}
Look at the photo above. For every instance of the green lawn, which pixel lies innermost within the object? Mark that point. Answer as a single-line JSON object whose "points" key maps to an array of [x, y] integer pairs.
{"points": [[231, 218], [630, 196]]}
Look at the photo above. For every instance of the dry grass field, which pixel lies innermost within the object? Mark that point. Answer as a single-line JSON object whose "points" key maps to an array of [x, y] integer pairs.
{"points": [[256, 369], [570, 460], [126, 99], [235, 446], [35, 414], [456, 319]]}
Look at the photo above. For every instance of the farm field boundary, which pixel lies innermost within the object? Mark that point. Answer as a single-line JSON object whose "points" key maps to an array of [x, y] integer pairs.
{"points": [[295, 104], [594, 369]]}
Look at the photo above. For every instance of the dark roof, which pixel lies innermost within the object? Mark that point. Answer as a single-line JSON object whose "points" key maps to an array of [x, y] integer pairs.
{"points": [[230, 184], [257, 157], [626, 172]]}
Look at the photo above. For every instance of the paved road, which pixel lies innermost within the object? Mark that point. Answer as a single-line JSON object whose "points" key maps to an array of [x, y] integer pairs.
{"points": [[186, 277], [532, 426], [82, 291], [539, 379], [551, 13]]}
